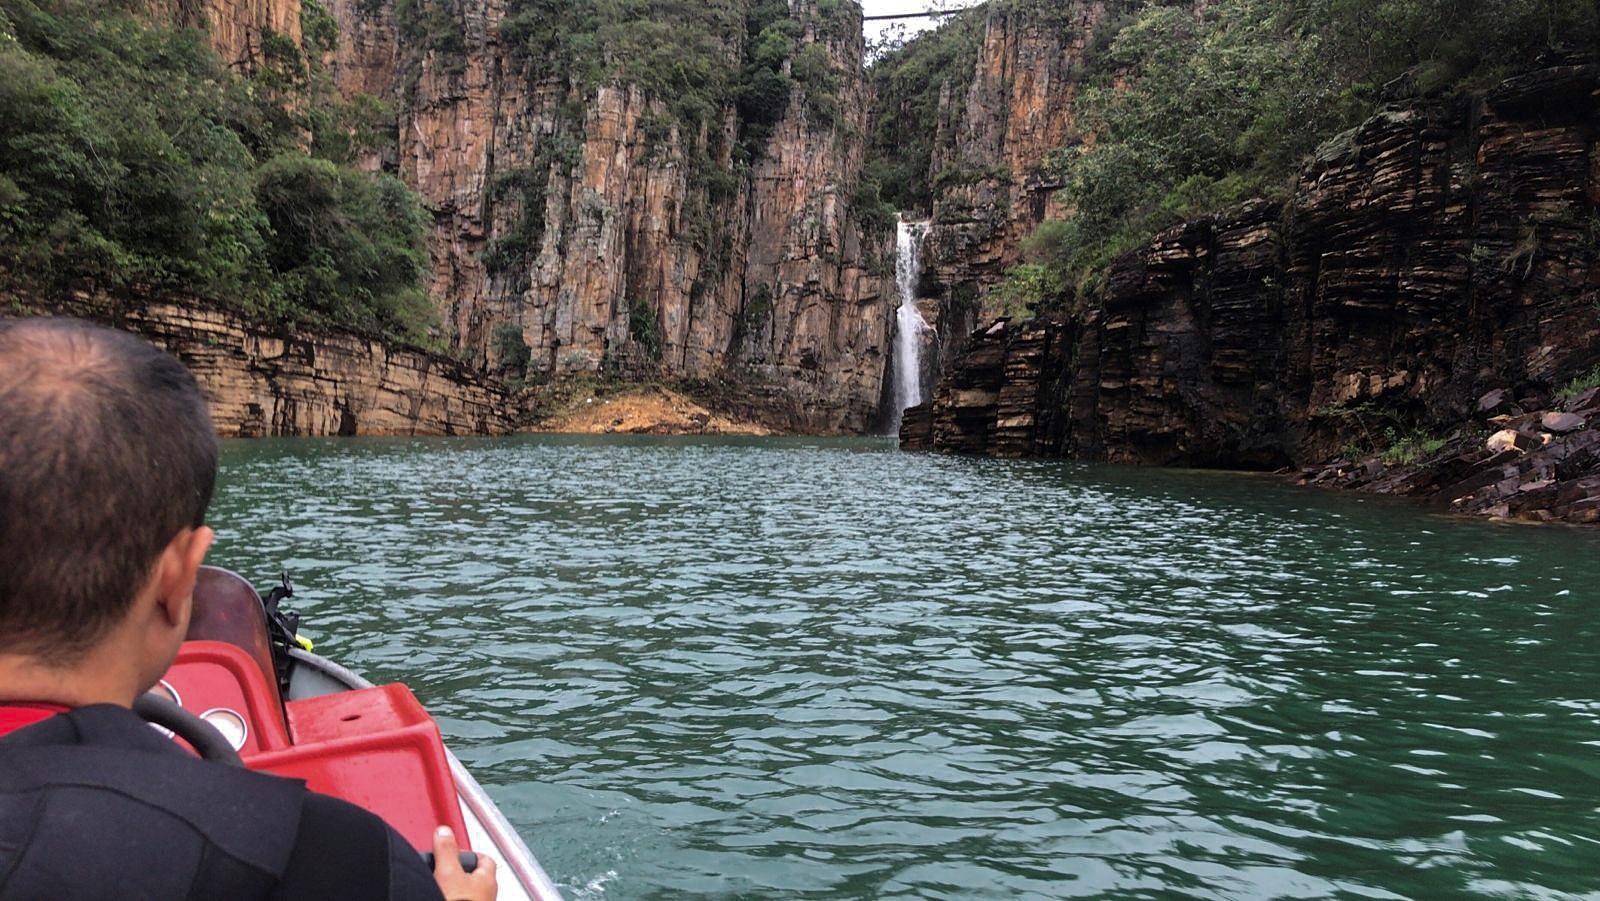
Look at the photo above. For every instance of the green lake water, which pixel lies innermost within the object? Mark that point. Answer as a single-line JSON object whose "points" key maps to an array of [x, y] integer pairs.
{"points": [[779, 668]]}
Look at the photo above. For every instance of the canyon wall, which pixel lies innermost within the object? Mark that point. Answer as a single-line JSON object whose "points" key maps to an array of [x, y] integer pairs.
{"points": [[1442, 251], [590, 220], [818, 349], [992, 188], [262, 381], [610, 237], [237, 27], [995, 132]]}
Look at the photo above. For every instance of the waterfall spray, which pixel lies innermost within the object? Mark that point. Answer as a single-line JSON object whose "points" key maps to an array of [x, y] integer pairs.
{"points": [[906, 378]]}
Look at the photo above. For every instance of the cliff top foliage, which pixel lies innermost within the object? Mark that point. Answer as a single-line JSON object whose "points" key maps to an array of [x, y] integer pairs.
{"points": [[1185, 108], [697, 56], [699, 59], [130, 155], [914, 85], [1193, 113]]}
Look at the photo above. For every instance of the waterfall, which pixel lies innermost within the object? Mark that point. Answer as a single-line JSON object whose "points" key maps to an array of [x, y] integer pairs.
{"points": [[905, 381]]}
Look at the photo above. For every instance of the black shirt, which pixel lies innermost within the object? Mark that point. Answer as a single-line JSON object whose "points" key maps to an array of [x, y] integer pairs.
{"points": [[95, 805]]}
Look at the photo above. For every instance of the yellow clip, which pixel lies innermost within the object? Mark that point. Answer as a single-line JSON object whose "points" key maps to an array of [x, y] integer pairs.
{"points": [[303, 642]]}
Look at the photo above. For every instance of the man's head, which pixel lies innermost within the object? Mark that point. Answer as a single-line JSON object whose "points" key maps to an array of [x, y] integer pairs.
{"points": [[107, 458]]}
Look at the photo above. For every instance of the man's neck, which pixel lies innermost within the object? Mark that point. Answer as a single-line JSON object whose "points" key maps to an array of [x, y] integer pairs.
{"points": [[125, 660], [87, 681]]}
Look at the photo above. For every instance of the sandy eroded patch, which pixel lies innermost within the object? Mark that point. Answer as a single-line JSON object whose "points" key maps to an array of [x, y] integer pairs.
{"points": [[644, 411]]}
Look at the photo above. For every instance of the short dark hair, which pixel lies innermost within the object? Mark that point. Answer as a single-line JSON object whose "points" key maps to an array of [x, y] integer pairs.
{"points": [[106, 453]]}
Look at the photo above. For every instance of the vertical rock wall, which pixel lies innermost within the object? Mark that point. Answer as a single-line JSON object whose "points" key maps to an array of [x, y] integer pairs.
{"points": [[236, 26], [1440, 252], [992, 188], [261, 381], [577, 219], [818, 298], [581, 231]]}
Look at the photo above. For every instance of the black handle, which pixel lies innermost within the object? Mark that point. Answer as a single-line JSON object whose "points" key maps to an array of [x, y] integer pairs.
{"points": [[201, 735], [469, 860]]}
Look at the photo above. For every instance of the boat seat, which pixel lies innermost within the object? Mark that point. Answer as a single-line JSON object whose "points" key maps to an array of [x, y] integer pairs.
{"points": [[377, 748]]}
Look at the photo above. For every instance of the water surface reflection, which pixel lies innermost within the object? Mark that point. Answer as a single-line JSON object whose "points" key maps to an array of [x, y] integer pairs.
{"points": [[779, 667]]}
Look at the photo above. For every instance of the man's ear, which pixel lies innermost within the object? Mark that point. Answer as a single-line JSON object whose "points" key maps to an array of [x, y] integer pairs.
{"points": [[175, 573]]}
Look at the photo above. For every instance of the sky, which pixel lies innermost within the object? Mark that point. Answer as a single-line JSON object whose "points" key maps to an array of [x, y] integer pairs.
{"points": [[876, 30]]}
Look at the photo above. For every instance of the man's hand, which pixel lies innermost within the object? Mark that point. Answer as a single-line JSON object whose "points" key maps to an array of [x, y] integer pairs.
{"points": [[478, 885]]}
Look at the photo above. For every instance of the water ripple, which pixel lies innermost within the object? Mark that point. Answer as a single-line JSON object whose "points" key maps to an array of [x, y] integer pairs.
{"points": [[777, 668]]}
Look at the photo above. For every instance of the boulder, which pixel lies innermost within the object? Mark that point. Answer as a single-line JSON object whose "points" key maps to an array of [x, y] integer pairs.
{"points": [[1511, 439], [1496, 401], [1584, 511], [1585, 402], [1561, 423]]}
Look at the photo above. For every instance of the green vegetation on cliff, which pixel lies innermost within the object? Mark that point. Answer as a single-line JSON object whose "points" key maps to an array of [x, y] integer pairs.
{"points": [[130, 155], [1191, 112], [671, 48], [721, 75], [915, 86], [1183, 109], [698, 56]]}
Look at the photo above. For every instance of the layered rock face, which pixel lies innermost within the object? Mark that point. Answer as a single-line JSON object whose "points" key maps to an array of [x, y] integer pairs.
{"points": [[992, 187], [1541, 465], [262, 382], [601, 233], [1001, 395], [819, 354], [587, 222], [1437, 253], [236, 26]]}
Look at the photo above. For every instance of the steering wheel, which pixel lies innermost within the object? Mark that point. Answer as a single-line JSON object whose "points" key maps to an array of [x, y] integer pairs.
{"points": [[201, 735]]}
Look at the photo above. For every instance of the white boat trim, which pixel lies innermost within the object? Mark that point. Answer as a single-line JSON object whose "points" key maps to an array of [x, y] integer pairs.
{"points": [[487, 827]]}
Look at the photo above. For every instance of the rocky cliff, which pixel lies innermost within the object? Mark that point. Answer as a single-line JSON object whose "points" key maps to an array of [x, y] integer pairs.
{"points": [[996, 126], [606, 222], [1442, 251], [988, 167], [609, 233], [817, 302], [263, 381], [237, 27]]}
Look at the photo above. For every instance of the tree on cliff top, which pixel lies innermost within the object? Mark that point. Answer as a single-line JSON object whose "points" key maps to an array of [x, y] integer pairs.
{"points": [[130, 155], [347, 248], [699, 57], [911, 83], [1193, 111]]}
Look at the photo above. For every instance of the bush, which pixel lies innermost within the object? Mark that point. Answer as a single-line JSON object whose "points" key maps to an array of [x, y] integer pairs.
{"points": [[643, 328], [129, 154], [511, 352], [1580, 384], [1409, 447], [1027, 288], [764, 98], [813, 72], [867, 204], [348, 248]]}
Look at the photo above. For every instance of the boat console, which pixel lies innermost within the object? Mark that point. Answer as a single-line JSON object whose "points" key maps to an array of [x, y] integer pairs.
{"points": [[375, 747]]}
